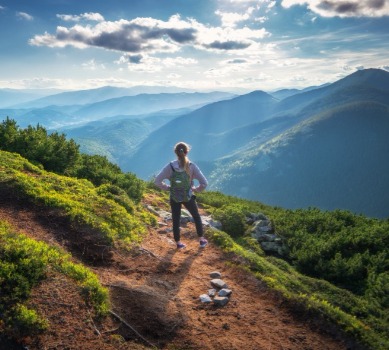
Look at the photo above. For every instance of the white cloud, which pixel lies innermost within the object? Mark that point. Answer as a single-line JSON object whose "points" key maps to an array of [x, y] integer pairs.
{"points": [[233, 67], [149, 64], [90, 16], [174, 76], [237, 61], [281, 63], [271, 4], [35, 83], [241, 4], [149, 35], [231, 19], [139, 35], [25, 16], [233, 40], [92, 65], [178, 62], [261, 19], [343, 8]]}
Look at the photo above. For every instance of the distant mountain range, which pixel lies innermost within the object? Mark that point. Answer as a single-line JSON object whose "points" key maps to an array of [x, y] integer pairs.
{"points": [[327, 147], [323, 146], [11, 97], [56, 111], [82, 97], [335, 160], [335, 157]]}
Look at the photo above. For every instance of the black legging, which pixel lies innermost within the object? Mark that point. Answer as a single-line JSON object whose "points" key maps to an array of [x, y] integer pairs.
{"points": [[176, 216]]}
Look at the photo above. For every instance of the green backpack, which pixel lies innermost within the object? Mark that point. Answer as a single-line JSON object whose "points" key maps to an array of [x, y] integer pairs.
{"points": [[180, 186]]}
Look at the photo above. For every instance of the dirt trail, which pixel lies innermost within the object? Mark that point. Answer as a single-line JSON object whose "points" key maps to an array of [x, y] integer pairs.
{"points": [[155, 290]]}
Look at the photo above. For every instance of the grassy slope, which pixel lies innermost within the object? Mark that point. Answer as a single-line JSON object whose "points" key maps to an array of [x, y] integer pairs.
{"points": [[24, 262], [120, 223], [112, 216], [356, 315]]}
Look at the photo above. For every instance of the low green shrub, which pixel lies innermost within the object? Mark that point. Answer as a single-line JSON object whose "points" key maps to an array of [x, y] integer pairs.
{"points": [[107, 209], [232, 218], [21, 321], [353, 314], [54, 153], [336, 263], [24, 263]]}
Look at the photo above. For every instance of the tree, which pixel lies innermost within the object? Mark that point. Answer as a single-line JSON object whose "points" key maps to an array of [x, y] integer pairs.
{"points": [[99, 170], [9, 132], [57, 154]]}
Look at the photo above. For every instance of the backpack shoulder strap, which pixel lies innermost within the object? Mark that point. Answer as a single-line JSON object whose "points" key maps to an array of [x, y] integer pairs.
{"points": [[171, 165]]}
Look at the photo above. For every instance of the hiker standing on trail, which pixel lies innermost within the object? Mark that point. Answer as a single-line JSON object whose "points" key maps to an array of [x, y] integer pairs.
{"points": [[181, 173]]}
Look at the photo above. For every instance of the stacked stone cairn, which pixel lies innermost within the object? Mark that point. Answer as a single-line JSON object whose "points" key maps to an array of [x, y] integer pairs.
{"points": [[219, 294]]}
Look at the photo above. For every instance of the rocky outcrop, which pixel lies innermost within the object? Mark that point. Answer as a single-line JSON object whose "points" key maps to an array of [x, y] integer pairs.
{"points": [[262, 230]]}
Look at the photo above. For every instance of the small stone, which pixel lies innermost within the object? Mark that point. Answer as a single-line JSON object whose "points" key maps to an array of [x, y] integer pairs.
{"points": [[218, 283], [163, 232], [204, 298], [220, 301], [224, 292], [212, 292], [215, 274]]}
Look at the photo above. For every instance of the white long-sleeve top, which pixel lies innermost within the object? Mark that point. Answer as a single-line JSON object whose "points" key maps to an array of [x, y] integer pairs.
{"points": [[194, 172]]}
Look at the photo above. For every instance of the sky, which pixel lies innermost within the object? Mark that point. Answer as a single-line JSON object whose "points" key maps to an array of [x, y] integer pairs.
{"points": [[205, 45]]}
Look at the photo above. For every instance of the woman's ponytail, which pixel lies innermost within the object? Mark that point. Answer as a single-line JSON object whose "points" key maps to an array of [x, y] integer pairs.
{"points": [[181, 149]]}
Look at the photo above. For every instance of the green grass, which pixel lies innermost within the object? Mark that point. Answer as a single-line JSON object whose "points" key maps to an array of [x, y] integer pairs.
{"points": [[24, 263], [106, 212], [358, 315], [105, 209], [354, 315]]}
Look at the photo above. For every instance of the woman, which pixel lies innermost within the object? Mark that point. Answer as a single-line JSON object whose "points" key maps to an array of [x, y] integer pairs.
{"points": [[181, 173]]}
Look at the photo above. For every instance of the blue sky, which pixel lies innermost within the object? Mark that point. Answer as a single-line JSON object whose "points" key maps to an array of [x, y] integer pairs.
{"points": [[204, 45]]}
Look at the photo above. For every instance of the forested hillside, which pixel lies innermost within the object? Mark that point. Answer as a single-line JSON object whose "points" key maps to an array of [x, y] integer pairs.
{"points": [[335, 160], [85, 252]]}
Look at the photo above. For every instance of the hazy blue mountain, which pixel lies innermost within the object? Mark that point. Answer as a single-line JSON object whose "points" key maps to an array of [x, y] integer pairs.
{"points": [[47, 117], [12, 113], [208, 128], [284, 93], [220, 129], [89, 96], [56, 115], [364, 85], [148, 103], [10, 97], [52, 117], [338, 159], [324, 147], [118, 137], [78, 97]]}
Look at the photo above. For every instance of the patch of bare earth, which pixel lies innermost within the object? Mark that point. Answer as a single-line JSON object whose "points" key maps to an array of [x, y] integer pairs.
{"points": [[154, 293]]}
